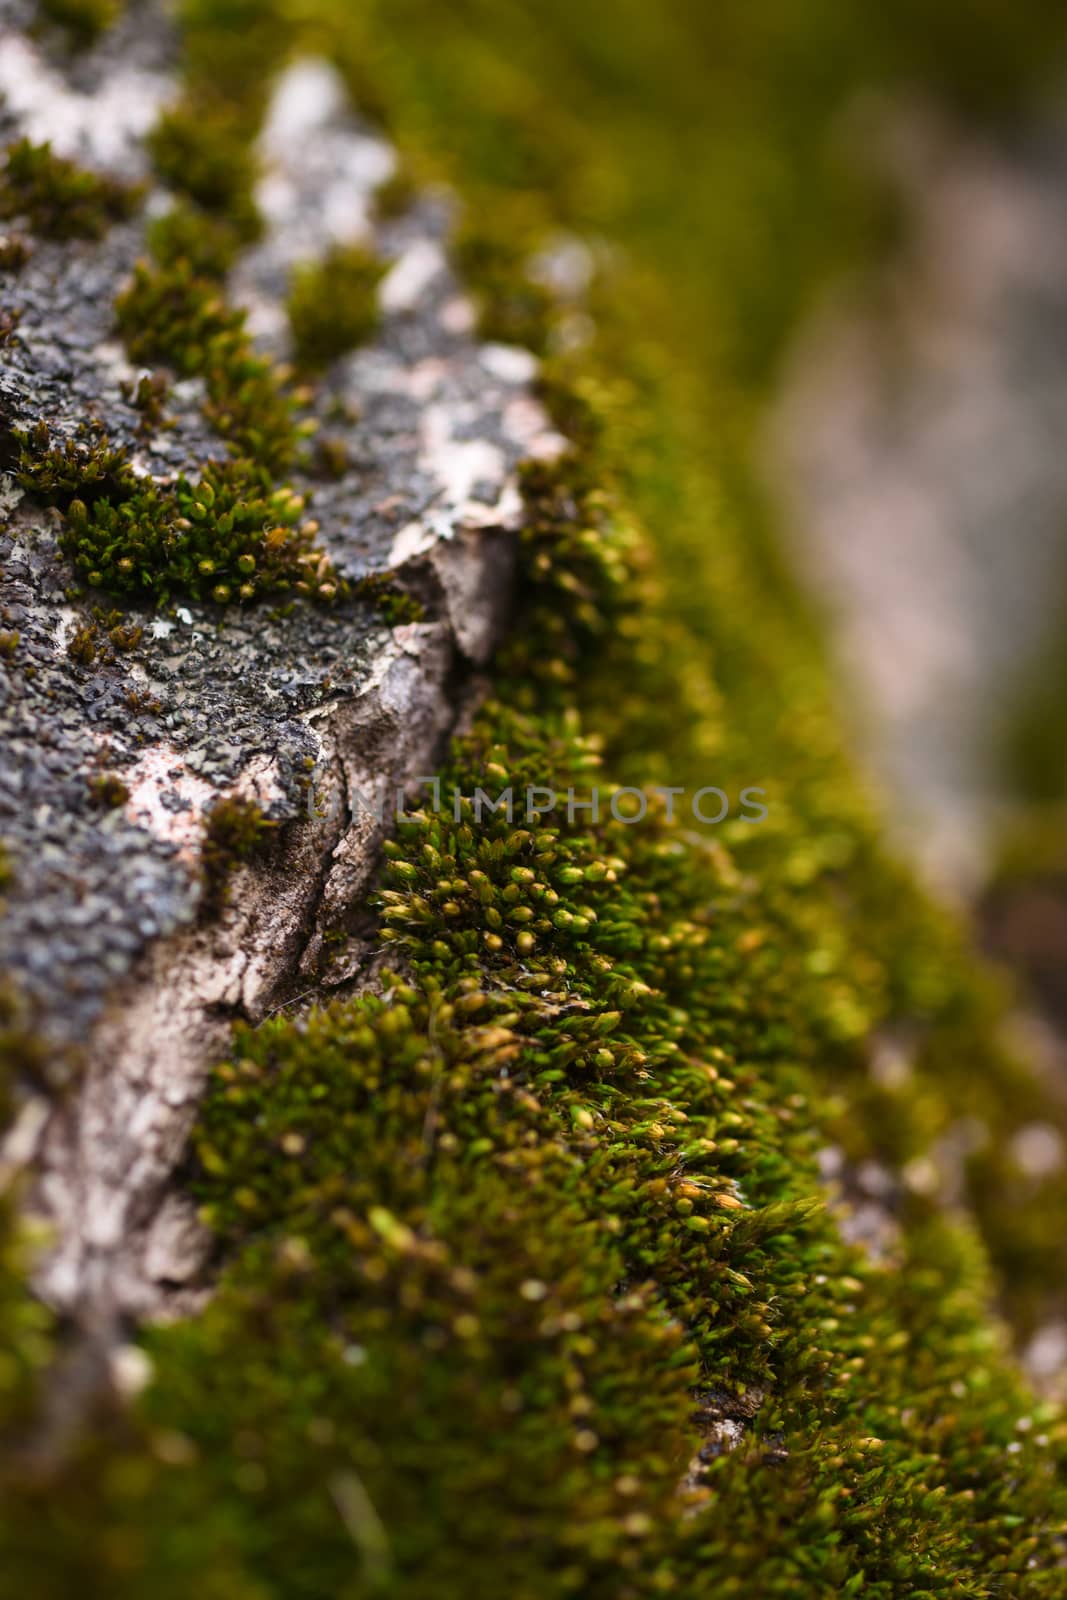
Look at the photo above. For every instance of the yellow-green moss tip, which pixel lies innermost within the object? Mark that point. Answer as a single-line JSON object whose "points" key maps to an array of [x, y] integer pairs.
{"points": [[235, 830]]}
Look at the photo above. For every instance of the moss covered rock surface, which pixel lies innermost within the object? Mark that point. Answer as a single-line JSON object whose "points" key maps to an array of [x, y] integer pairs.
{"points": [[527, 1280]]}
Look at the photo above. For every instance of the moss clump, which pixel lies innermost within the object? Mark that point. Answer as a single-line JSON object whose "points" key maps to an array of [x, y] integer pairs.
{"points": [[235, 830], [231, 536], [24, 1057], [96, 640], [333, 304], [28, 1337], [148, 395], [396, 605], [108, 792], [14, 252], [251, 404], [202, 150], [207, 244], [328, 457], [9, 643], [169, 314], [84, 20], [514, 309], [396, 195], [58, 199], [55, 472], [577, 582], [81, 646], [27, 1345], [142, 703], [175, 309], [121, 635]]}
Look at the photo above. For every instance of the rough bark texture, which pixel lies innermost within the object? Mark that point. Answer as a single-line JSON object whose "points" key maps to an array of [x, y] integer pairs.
{"points": [[105, 928]]}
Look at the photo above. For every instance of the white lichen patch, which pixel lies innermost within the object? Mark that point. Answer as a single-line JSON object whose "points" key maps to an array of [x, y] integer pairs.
{"points": [[410, 276], [320, 172], [104, 129], [10, 495], [1037, 1148], [1045, 1357], [458, 315], [473, 484], [131, 1370], [166, 798], [509, 362]]}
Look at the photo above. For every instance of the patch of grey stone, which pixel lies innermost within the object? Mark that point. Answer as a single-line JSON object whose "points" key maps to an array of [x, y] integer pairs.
{"points": [[66, 364], [101, 927], [431, 421], [93, 104], [184, 714], [721, 1420]]}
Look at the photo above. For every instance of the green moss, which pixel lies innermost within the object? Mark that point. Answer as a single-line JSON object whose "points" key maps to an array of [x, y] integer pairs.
{"points": [[121, 635], [28, 1343], [27, 1346], [14, 252], [108, 791], [507, 1242], [84, 20], [229, 536], [56, 198], [55, 472], [235, 830], [333, 304], [507, 1239], [328, 457], [24, 1056], [513, 307], [148, 395], [174, 310], [231, 48], [9, 643], [1033, 758], [252, 405], [169, 314], [81, 647], [396, 605], [206, 244], [202, 150], [396, 195]]}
